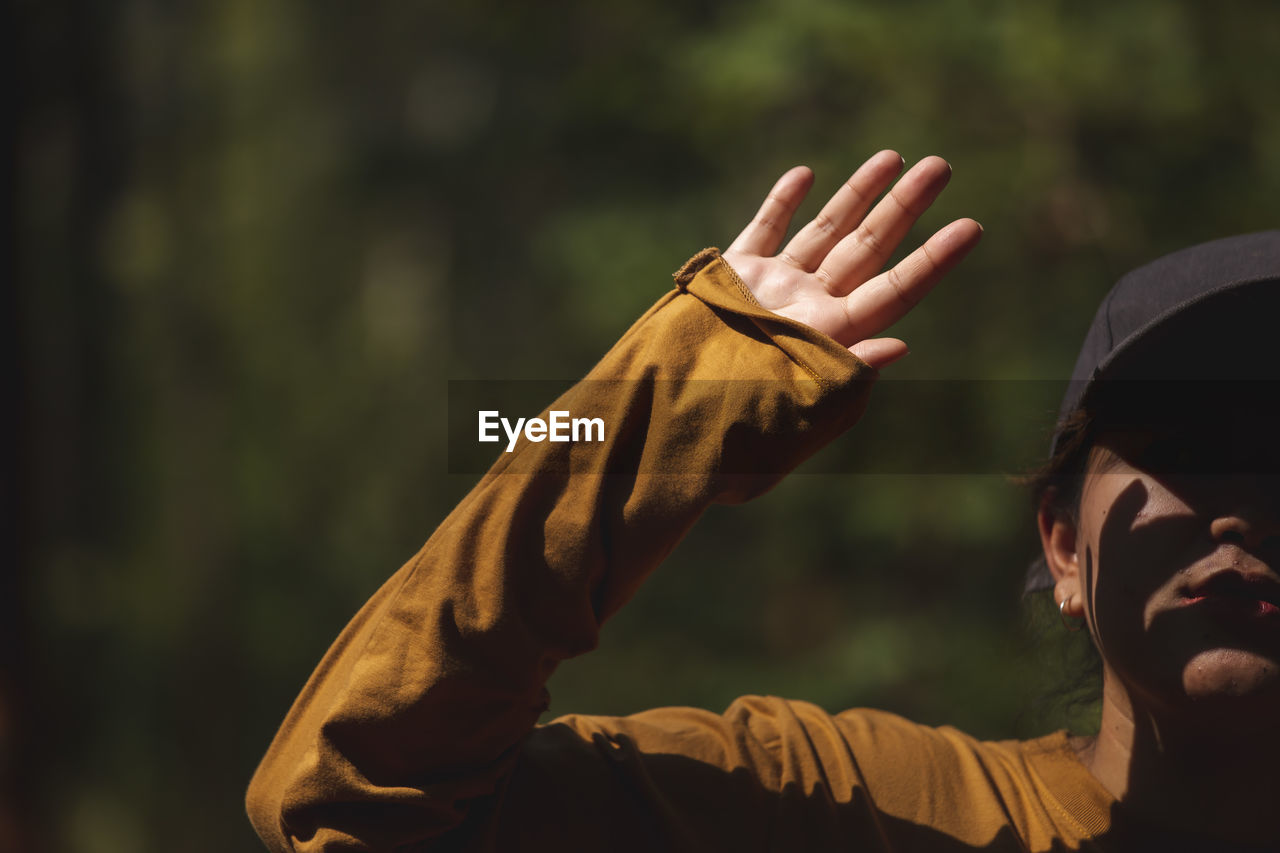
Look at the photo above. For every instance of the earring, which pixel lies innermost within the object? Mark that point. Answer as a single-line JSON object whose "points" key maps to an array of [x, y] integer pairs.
{"points": [[1062, 614]]}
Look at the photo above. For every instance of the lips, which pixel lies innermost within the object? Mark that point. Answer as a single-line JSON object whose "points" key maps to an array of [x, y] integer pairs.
{"points": [[1245, 592]]}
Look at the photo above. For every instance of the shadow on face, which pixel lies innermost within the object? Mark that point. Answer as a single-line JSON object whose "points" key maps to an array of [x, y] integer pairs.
{"points": [[1150, 541]]}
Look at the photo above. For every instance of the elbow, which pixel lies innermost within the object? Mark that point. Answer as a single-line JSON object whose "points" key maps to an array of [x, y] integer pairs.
{"points": [[263, 803], [295, 812]]}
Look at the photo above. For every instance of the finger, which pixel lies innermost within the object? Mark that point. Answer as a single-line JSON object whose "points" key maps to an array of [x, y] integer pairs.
{"points": [[882, 301], [845, 210], [764, 233], [879, 352], [867, 248]]}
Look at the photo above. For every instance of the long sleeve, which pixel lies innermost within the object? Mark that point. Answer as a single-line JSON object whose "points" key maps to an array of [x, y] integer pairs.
{"points": [[418, 712]]}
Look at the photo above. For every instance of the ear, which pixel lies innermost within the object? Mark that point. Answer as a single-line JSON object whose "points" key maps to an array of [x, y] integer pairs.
{"points": [[1058, 539]]}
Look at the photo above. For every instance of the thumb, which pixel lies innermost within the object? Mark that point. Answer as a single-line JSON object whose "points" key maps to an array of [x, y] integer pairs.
{"points": [[879, 352]]}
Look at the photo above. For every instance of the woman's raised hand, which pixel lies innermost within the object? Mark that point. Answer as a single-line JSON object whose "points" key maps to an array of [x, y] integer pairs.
{"points": [[828, 276]]}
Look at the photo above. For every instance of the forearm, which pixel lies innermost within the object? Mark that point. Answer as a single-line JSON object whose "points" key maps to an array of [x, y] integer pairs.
{"points": [[422, 702]]}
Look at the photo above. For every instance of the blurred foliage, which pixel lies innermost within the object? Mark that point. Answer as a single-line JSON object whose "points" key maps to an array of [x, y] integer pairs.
{"points": [[257, 239]]}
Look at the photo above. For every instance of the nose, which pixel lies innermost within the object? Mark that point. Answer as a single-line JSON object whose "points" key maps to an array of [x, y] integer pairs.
{"points": [[1252, 528]]}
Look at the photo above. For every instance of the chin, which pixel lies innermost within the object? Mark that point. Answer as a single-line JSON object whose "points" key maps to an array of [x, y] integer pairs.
{"points": [[1242, 680]]}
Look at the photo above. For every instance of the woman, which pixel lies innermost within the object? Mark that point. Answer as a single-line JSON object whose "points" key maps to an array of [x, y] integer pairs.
{"points": [[418, 728]]}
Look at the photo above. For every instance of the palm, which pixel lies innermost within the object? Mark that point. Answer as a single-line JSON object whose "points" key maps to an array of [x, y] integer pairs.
{"points": [[828, 276]]}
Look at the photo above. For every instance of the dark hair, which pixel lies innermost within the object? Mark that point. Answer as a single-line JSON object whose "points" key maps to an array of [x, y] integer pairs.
{"points": [[1061, 477], [1066, 667], [1063, 671]]}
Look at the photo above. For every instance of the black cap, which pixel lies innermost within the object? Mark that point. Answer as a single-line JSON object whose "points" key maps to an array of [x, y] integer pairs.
{"points": [[1210, 313]]}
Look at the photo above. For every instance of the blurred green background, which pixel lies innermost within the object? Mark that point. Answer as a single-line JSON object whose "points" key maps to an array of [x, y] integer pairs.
{"points": [[254, 241]]}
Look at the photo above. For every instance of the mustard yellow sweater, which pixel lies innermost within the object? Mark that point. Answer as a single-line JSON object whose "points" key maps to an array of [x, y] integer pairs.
{"points": [[417, 730]]}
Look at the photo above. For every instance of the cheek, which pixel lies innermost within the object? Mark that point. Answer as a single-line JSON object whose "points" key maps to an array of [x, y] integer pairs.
{"points": [[1139, 541]]}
